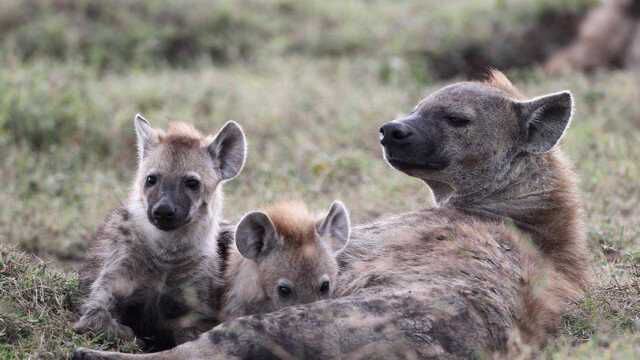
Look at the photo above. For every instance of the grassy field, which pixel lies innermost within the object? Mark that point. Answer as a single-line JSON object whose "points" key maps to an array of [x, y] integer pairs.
{"points": [[310, 82]]}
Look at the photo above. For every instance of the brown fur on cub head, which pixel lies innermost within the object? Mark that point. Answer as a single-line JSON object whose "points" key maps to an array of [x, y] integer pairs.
{"points": [[285, 256]]}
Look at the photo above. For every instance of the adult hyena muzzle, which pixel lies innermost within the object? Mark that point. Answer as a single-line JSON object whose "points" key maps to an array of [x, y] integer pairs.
{"points": [[409, 145]]}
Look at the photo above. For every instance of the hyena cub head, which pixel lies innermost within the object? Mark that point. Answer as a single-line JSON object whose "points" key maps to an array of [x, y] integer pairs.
{"points": [[294, 253], [465, 136], [180, 170]]}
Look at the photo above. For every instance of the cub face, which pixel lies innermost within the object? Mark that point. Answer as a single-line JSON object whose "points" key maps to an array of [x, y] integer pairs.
{"points": [[179, 171], [296, 264]]}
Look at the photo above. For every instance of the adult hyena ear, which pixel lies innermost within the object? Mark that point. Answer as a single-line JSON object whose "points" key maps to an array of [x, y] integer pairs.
{"points": [[544, 120], [228, 150], [255, 235], [146, 135], [336, 227]]}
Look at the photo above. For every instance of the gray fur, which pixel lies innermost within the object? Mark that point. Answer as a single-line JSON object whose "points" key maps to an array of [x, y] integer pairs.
{"points": [[163, 285], [457, 281]]}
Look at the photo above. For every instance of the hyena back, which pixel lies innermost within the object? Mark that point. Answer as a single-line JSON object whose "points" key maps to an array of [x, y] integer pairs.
{"points": [[499, 258], [153, 270], [284, 256]]}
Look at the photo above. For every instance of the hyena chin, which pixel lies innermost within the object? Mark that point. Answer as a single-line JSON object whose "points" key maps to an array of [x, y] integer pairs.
{"points": [[284, 256], [153, 271]]}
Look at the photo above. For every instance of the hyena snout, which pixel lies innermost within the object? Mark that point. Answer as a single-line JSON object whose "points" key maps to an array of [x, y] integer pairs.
{"points": [[167, 215], [408, 145], [395, 133]]}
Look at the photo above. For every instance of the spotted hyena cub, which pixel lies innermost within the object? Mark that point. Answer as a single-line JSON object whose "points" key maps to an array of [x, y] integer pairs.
{"points": [[284, 256], [153, 271]]}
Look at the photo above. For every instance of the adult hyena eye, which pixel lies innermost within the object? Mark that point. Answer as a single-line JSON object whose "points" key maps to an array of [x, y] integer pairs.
{"points": [[284, 291], [457, 121], [193, 184], [151, 180], [324, 287]]}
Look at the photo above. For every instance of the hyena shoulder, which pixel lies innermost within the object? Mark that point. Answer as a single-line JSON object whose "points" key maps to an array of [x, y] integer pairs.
{"points": [[112, 238]]}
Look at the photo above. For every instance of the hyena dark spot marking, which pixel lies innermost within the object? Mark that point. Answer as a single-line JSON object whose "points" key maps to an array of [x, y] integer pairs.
{"points": [[124, 230], [378, 328], [219, 337], [471, 160], [376, 306], [125, 215], [258, 326], [260, 353]]}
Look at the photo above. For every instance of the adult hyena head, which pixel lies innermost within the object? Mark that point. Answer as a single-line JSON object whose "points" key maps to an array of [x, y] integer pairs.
{"points": [[464, 136], [294, 253], [180, 172]]}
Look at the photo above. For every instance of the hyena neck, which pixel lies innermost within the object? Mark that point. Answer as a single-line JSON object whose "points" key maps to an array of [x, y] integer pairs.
{"points": [[540, 196]]}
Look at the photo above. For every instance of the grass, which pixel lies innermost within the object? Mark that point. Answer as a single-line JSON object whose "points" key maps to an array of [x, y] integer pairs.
{"points": [[311, 88]]}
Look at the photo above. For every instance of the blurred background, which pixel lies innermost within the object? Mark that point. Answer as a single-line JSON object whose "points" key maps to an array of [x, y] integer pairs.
{"points": [[310, 81]]}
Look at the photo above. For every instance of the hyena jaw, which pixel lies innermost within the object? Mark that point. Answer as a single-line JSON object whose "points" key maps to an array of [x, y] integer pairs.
{"points": [[197, 237]]}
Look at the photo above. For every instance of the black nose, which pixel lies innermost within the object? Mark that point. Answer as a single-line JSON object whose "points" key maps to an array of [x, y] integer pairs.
{"points": [[394, 133], [164, 211]]}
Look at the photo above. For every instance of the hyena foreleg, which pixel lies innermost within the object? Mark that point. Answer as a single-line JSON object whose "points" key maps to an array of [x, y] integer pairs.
{"points": [[97, 310]]}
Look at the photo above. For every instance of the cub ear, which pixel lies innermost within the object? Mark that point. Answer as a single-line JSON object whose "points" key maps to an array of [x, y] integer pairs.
{"points": [[336, 227], [255, 235], [147, 137], [544, 120], [228, 150]]}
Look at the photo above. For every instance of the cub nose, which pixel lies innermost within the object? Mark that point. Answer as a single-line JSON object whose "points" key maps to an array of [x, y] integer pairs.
{"points": [[164, 211], [394, 133]]}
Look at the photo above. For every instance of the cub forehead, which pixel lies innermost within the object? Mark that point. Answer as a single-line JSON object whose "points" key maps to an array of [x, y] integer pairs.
{"points": [[181, 160]]}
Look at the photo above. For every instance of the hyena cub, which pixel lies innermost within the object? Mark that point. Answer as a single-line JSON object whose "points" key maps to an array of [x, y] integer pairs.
{"points": [[154, 271], [284, 256]]}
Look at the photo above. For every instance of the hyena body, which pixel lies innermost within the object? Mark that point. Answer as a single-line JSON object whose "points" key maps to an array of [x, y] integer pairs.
{"points": [[282, 257], [153, 271], [500, 258]]}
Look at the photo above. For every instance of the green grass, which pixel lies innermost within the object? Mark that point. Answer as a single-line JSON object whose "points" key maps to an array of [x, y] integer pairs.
{"points": [[311, 88]]}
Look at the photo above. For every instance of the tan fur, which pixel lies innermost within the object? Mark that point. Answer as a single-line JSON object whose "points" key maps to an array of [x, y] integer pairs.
{"points": [[301, 252], [500, 81], [135, 263], [293, 222], [496, 262], [180, 133]]}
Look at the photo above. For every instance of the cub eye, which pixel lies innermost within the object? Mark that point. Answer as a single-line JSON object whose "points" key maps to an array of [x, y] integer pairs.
{"points": [[457, 121], [284, 291], [324, 287], [151, 180], [193, 184]]}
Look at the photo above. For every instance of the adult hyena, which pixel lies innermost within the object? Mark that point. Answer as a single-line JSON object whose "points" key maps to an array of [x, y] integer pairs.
{"points": [[502, 254], [284, 256], [153, 270]]}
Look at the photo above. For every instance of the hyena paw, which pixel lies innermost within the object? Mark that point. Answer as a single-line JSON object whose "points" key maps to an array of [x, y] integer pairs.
{"points": [[101, 321]]}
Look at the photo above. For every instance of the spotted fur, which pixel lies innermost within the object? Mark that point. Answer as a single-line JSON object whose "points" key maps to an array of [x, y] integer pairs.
{"points": [[499, 258], [161, 286]]}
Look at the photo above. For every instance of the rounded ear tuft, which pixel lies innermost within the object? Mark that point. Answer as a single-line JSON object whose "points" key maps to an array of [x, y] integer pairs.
{"points": [[228, 150], [255, 235], [544, 120], [336, 226]]}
